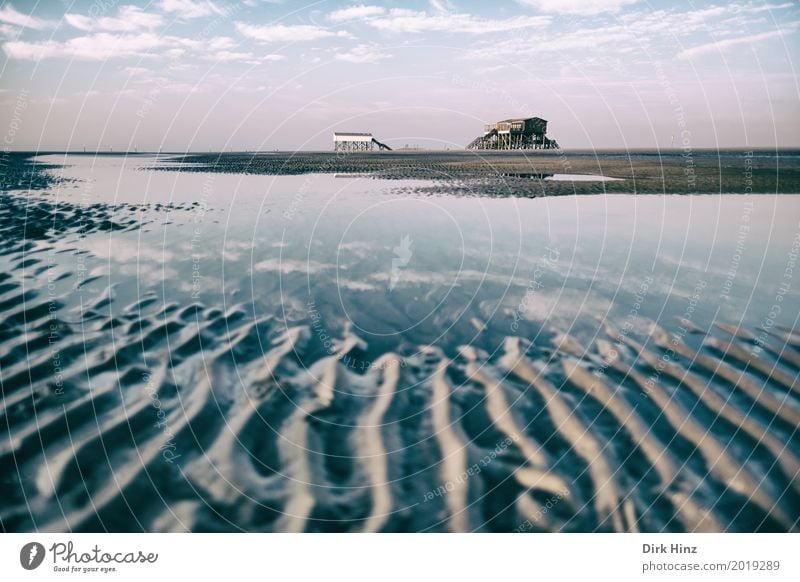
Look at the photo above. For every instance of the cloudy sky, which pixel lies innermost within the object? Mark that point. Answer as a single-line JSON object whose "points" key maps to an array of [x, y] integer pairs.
{"points": [[219, 74]]}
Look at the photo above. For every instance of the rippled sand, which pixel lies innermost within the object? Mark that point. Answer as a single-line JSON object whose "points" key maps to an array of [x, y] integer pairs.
{"points": [[130, 409]]}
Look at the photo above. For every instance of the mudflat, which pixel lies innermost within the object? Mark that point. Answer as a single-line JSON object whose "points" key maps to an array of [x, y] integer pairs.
{"points": [[537, 172]]}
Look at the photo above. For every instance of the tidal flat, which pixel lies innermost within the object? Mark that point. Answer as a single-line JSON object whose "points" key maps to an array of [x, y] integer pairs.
{"points": [[400, 341]]}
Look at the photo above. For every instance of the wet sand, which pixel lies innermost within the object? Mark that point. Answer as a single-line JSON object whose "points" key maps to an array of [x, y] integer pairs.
{"points": [[527, 173], [302, 392]]}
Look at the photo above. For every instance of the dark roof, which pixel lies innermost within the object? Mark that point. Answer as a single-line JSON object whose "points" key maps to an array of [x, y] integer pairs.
{"points": [[352, 133], [520, 119]]}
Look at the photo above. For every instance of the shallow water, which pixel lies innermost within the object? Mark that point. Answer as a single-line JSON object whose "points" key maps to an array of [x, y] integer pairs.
{"points": [[320, 352]]}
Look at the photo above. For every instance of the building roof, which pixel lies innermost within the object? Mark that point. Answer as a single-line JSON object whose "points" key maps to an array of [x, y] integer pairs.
{"points": [[519, 119], [350, 134]]}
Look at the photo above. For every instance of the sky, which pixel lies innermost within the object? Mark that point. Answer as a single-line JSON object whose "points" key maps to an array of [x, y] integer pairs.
{"points": [[199, 75]]}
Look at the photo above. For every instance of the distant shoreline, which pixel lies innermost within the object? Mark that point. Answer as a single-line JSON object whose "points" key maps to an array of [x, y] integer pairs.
{"points": [[515, 173], [532, 173], [794, 150]]}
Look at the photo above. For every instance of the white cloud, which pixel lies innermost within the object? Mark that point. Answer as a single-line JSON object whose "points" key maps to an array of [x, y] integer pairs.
{"points": [[104, 45], [286, 33], [720, 46], [230, 56], [191, 8], [730, 18], [129, 19], [362, 54], [8, 31], [220, 43], [355, 13], [224, 48], [411, 21], [136, 71], [10, 16], [584, 7], [650, 30], [95, 47]]}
